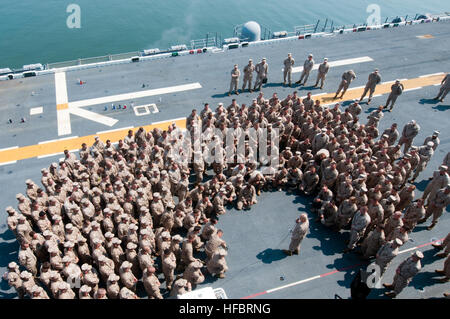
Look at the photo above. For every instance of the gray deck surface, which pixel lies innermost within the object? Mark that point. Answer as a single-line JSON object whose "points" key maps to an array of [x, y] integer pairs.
{"points": [[256, 237]]}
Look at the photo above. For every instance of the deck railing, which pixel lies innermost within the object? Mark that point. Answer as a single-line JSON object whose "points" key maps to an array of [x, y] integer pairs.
{"points": [[215, 41]]}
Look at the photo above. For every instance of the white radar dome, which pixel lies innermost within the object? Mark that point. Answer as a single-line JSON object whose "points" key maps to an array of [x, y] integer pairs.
{"points": [[251, 31]]}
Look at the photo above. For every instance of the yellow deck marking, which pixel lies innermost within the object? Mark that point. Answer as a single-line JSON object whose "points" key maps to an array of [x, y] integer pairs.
{"points": [[75, 143], [383, 88], [31, 151], [62, 106]]}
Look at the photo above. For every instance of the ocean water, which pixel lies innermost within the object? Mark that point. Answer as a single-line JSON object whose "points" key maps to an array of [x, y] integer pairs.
{"points": [[35, 31]]}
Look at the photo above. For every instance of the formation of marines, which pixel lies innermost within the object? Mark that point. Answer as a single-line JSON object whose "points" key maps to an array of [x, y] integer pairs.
{"points": [[116, 219], [122, 216], [348, 76]]}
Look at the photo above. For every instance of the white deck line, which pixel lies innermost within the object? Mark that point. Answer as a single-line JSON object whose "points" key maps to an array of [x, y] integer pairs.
{"points": [[7, 163], [109, 121], [336, 63], [407, 250], [62, 116], [57, 140], [325, 275], [8, 148], [134, 95], [171, 120], [61, 88], [412, 89], [115, 130], [49, 155], [293, 284], [314, 95], [63, 119], [389, 82], [431, 74]]}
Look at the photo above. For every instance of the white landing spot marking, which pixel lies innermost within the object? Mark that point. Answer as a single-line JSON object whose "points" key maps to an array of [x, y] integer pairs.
{"points": [[36, 110], [145, 109], [155, 109]]}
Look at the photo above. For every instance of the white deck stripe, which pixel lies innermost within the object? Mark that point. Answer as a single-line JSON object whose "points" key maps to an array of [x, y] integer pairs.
{"points": [[336, 63], [134, 95], [293, 284], [109, 121], [8, 148], [63, 119], [62, 116], [314, 95], [413, 89], [49, 155], [319, 276], [115, 130], [7, 163], [61, 88], [389, 82], [57, 140], [171, 120], [406, 250], [431, 74]]}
